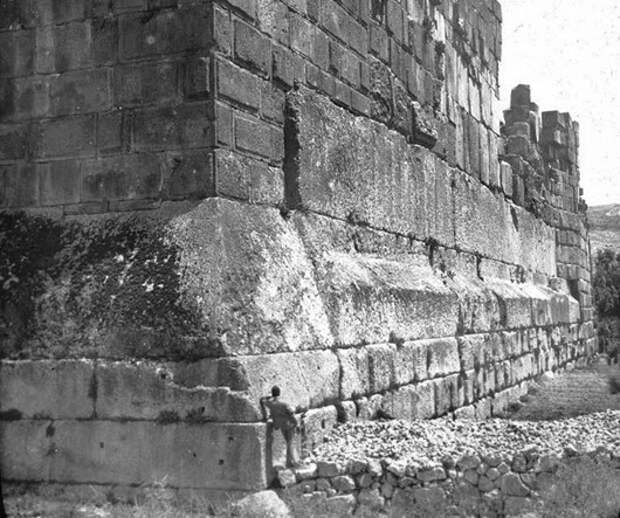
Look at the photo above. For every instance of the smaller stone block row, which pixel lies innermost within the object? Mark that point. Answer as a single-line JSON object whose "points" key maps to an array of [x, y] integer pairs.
{"points": [[481, 350], [377, 368], [423, 378], [114, 181], [473, 394], [498, 485]]}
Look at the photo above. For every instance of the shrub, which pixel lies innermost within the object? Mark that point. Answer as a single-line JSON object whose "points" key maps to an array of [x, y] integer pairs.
{"points": [[606, 283]]}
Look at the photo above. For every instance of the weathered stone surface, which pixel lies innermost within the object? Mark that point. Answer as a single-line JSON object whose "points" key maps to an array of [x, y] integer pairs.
{"points": [[147, 390], [47, 389], [329, 469], [354, 373], [371, 300], [511, 485], [307, 471], [317, 423], [262, 503], [443, 357], [431, 474], [248, 272], [487, 224], [514, 302], [446, 393], [403, 501], [351, 167], [411, 362], [381, 359], [479, 310], [291, 372], [286, 477], [343, 483], [371, 498], [424, 402], [208, 455], [187, 281], [429, 498]]}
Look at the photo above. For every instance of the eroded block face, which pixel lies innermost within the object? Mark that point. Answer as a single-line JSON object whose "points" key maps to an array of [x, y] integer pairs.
{"points": [[47, 389], [149, 391], [370, 299], [226, 456], [352, 168]]}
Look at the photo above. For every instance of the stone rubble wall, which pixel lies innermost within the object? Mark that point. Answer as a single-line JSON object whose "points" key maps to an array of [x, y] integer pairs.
{"points": [[493, 485], [204, 199]]}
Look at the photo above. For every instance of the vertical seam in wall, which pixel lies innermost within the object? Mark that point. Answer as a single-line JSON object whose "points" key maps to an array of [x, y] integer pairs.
{"points": [[92, 389], [290, 165]]}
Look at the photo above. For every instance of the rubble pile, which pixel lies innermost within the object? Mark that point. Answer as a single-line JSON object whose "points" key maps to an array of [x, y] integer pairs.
{"points": [[424, 442], [449, 467]]}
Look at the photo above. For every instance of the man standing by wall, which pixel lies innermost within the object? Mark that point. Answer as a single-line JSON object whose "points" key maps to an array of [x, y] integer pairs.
{"points": [[283, 418]]}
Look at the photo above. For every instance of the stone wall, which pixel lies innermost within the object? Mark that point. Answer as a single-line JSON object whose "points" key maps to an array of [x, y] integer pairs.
{"points": [[203, 199], [478, 484]]}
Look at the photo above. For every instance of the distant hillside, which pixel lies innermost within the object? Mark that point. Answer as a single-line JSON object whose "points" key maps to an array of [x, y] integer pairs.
{"points": [[604, 227]]}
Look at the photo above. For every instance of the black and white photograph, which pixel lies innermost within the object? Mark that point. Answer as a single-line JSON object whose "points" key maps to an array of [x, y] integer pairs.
{"points": [[309, 259]]}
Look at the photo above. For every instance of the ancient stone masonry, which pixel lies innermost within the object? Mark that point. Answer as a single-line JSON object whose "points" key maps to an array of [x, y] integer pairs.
{"points": [[201, 199]]}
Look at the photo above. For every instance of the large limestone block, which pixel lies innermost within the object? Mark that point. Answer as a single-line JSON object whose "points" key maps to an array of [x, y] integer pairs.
{"points": [[25, 447], [536, 242], [514, 302], [411, 402], [442, 229], [186, 281], [488, 224], [148, 390], [354, 168], [481, 222], [307, 379], [381, 363], [540, 298], [478, 305], [47, 389], [354, 373], [208, 455], [372, 300], [248, 274]]}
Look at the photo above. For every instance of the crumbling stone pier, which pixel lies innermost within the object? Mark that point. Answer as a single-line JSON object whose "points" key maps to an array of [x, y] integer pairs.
{"points": [[202, 199]]}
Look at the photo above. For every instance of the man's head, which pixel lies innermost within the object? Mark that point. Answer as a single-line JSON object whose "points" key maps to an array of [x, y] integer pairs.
{"points": [[275, 391]]}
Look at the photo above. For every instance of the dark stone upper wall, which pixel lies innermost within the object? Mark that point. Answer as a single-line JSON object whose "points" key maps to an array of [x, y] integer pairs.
{"points": [[117, 105]]}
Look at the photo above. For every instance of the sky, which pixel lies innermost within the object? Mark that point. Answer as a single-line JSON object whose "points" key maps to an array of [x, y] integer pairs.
{"points": [[568, 51]]}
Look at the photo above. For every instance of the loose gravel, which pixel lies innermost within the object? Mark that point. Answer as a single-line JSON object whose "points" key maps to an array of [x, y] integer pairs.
{"points": [[428, 442]]}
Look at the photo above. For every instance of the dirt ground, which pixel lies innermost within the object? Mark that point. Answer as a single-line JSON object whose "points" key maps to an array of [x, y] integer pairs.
{"points": [[580, 391]]}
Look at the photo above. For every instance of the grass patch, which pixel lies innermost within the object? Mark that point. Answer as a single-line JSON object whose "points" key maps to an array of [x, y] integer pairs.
{"points": [[584, 487]]}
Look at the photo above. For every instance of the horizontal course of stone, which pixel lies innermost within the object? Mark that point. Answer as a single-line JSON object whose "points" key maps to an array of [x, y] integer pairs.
{"points": [[503, 475]]}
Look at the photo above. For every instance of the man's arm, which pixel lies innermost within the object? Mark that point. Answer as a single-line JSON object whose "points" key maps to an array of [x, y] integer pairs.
{"points": [[291, 416]]}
